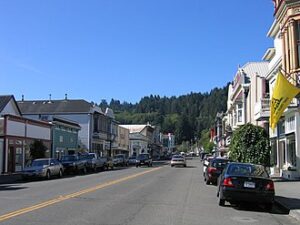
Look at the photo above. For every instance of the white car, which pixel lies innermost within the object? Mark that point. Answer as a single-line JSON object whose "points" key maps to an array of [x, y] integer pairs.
{"points": [[178, 160]]}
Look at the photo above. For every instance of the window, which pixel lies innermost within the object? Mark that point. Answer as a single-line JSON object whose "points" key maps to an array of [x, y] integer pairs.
{"points": [[298, 42], [291, 147], [240, 113], [61, 139], [290, 122]]}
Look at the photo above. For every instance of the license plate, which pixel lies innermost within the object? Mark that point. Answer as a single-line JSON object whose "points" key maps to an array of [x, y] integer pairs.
{"points": [[248, 184]]}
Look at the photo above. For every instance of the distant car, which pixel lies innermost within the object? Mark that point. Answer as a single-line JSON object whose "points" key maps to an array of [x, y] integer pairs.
{"points": [[74, 163], [43, 168], [132, 160], [178, 160], [120, 160], [108, 162], [143, 159], [94, 162], [244, 182], [214, 170]]}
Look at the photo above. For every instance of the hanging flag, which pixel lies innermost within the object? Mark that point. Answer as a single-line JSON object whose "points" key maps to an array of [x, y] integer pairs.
{"points": [[283, 93]]}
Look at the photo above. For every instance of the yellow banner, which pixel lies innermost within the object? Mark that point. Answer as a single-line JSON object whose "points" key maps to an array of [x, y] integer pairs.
{"points": [[283, 93]]}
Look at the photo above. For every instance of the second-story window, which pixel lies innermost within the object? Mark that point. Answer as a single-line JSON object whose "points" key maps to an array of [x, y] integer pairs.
{"points": [[240, 113], [297, 31]]}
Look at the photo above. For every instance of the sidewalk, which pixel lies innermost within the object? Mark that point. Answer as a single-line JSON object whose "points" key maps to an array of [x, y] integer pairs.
{"points": [[288, 196]]}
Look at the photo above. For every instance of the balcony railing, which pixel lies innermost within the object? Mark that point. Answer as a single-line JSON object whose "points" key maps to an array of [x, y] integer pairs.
{"points": [[262, 109]]}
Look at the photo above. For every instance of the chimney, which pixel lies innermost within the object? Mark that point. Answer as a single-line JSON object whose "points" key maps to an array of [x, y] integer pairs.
{"points": [[66, 96], [49, 98], [22, 98]]}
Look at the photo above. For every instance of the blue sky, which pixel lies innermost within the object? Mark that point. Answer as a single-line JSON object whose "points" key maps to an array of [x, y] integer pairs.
{"points": [[127, 49]]}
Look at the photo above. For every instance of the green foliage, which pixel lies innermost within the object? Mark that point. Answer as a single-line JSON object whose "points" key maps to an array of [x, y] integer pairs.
{"points": [[186, 116], [250, 144], [37, 149], [205, 141], [184, 147]]}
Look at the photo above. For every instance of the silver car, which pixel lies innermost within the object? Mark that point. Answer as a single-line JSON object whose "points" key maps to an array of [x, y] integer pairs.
{"points": [[178, 160], [43, 168]]}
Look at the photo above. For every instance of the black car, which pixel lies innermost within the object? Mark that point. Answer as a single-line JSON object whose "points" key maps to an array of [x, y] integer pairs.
{"points": [[245, 182], [214, 169], [143, 159], [74, 163]]}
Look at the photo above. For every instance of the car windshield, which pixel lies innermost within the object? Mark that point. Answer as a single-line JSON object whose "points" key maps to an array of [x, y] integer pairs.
{"points": [[40, 162], [247, 170], [68, 158]]}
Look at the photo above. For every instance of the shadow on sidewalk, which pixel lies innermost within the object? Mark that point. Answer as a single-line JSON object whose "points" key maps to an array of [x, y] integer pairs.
{"points": [[288, 203]]}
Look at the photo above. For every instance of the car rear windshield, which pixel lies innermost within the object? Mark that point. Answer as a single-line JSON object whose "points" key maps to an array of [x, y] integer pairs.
{"points": [[219, 163], [68, 158], [247, 170], [142, 156], [40, 162], [177, 157]]}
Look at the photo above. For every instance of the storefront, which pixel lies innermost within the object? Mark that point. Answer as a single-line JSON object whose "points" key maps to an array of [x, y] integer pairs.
{"points": [[18, 135]]}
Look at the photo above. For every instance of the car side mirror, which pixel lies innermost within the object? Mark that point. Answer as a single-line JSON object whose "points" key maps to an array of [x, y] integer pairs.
{"points": [[52, 164]]}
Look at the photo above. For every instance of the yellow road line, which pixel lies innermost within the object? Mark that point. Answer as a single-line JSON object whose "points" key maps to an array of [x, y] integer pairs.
{"points": [[73, 195]]}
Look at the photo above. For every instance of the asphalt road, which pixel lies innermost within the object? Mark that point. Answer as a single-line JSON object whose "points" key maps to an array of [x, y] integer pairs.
{"points": [[135, 196]]}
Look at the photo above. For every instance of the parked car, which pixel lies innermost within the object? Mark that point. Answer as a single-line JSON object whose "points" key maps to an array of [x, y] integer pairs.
{"points": [[108, 162], [143, 159], [244, 182], [94, 162], [132, 160], [43, 168], [74, 163], [178, 160], [214, 169], [120, 160]]}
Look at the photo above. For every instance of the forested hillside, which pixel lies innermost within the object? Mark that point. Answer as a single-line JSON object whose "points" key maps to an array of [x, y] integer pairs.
{"points": [[186, 116]]}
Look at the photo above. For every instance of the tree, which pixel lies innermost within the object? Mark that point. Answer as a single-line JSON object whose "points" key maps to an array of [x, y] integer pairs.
{"points": [[37, 149], [205, 141], [250, 144]]}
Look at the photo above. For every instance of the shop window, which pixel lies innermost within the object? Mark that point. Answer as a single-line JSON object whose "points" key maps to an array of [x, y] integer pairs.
{"points": [[292, 159], [273, 153]]}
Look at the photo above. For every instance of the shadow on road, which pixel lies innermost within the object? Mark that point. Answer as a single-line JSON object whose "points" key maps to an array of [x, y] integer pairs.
{"points": [[254, 207], [11, 187]]}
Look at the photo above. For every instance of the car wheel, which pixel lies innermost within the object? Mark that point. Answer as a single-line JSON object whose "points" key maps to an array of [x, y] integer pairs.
{"points": [[207, 182], [221, 201], [149, 165], [84, 170], [184, 165], [172, 165], [60, 174], [48, 175]]}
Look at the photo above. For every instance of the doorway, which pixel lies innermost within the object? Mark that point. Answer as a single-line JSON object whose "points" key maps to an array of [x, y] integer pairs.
{"points": [[11, 159], [282, 154]]}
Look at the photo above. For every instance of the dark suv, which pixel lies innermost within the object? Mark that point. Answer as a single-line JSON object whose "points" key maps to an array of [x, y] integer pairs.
{"points": [[143, 159]]}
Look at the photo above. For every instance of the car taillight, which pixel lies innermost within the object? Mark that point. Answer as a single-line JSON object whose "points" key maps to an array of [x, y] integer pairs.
{"points": [[270, 186], [227, 182], [211, 169]]}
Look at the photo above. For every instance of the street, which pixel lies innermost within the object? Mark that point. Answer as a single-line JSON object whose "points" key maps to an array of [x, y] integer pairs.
{"points": [[158, 195]]}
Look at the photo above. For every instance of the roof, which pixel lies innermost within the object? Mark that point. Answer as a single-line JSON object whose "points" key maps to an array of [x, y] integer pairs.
{"points": [[55, 106], [253, 68], [4, 100], [136, 128]]}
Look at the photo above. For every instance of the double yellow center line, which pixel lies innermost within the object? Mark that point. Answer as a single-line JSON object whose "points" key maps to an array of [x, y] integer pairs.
{"points": [[73, 195]]}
